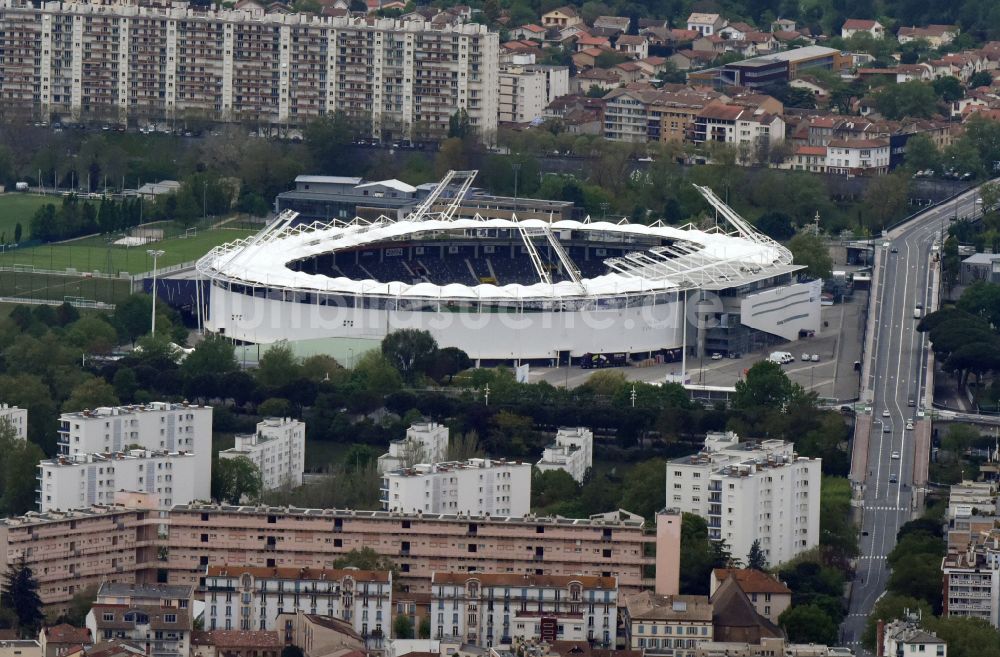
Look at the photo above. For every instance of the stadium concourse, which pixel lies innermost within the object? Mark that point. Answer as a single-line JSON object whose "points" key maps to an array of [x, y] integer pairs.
{"points": [[504, 289]]}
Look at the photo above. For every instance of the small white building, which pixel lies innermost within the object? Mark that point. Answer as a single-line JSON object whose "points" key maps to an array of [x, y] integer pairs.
{"points": [[706, 24], [249, 598], [82, 480], [477, 487], [853, 26], [425, 442], [17, 418], [277, 449], [158, 426], [491, 609], [858, 157], [905, 638], [573, 452], [749, 491]]}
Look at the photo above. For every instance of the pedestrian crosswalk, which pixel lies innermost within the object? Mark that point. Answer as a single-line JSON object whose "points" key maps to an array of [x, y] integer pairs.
{"points": [[886, 508], [873, 557]]}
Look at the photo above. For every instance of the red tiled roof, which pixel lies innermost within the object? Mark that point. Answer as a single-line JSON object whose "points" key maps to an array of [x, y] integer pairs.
{"points": [[66, 633], [258, 639], [858, 143], [513, 579], [721, 112], [631, 40], [750, 580], [809, 150], [858, 24], [330, 574]]}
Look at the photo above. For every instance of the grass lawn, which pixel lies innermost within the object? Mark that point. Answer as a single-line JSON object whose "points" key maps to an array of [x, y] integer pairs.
{"points": [[34, 285], [93, 254], [18, 207]]}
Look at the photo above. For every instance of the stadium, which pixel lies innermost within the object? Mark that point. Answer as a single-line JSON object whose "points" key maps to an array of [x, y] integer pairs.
{"points": [[504, 289]]}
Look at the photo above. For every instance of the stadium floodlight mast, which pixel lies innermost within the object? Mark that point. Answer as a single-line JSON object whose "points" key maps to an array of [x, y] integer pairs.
{"points": [[156, 253]]}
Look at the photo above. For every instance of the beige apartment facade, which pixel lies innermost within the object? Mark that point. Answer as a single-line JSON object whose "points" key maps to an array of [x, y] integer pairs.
{"points": [[131, 542], [131, 62], [71, 551], [610, 545]]}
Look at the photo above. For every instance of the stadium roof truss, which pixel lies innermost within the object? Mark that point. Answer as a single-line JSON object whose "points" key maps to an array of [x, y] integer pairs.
{"points": [[690, 257]]}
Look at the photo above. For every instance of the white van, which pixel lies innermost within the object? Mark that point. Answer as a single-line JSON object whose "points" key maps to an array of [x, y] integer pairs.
{"points": [[916, 313], [781, 357]]}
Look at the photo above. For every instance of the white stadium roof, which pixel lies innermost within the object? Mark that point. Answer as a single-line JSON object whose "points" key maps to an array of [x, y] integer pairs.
{"points": [[697, 259]]}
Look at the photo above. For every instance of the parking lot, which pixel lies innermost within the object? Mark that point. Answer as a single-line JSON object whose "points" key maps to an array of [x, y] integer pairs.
{"points": [[838, 345]]}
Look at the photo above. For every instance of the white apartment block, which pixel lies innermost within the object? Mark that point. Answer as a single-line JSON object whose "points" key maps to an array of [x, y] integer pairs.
{"points": [[277, 449], [82, 480], [750, 491], [972, 580], [425, 442], [487, 609], [491, 487], [525, 90], [905, 638], [130, 60], [857, 156], [248, 598], [573, 452], [158, 426], [17, 418]]}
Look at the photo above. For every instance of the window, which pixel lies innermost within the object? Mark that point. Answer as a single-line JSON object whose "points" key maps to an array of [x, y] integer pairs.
{"points": [[170, 618], [108, 617]]}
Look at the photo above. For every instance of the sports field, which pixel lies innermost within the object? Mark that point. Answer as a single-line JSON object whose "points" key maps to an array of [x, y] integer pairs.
{"points": [[18, 207], [97, 255], [35, 285]]}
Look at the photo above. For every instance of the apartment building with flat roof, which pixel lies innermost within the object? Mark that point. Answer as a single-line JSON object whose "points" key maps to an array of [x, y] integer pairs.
{"points": [[16, 418], [157, 426], [82, 480], [487, 609], [278, 449], [74, 550], [572, 451], [749, 491], [615, 544], [425, 442], [251, 598], [480, 487], [131, 61]]}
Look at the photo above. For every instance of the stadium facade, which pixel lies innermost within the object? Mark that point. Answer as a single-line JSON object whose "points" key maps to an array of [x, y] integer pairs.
{"points": [[504, 289]]}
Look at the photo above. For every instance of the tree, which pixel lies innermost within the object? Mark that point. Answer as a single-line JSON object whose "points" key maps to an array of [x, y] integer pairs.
{"points": [[292, 650], [811, 251], [79, 606], [951, 261], [235, 480], [551, 488], [966, 637], [278, 366], [756, 560], [913, 99], [808, 624], [889, 608], [459, 125], [644, 477], [425, 628], [409, 351], [327, 138], [17, 233], [18, 469], [402, 627], [885, 199], [776, 224], [922, 153], [132, 316], [20, 593], [766, 386], [980, 79], [365, 559], [948, 88], [92, 393], [959, 438], [213, 355]]}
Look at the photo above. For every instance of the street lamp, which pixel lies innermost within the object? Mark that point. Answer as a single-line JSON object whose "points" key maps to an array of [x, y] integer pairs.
{"points": [[155, 253]]}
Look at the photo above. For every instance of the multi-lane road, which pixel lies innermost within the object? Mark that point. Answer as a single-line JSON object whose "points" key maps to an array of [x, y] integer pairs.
{"points": [[894, 385]]}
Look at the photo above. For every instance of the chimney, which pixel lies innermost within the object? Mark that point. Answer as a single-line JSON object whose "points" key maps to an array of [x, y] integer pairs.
{"points": [[880, 638], [668, 550]]}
